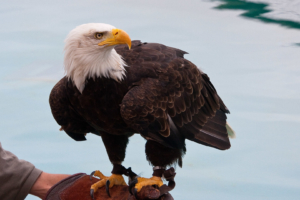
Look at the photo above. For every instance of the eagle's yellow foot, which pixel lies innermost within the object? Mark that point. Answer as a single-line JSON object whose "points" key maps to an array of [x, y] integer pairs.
{"points": [[155, 180], [108, 181]]}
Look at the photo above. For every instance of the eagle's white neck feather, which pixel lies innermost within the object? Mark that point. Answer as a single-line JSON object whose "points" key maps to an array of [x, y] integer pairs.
{"points": [[84, 59]]}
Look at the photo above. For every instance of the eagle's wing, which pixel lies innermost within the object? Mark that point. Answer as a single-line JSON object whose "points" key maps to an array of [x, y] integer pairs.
{"points": [[65, 115], [180, 103]]}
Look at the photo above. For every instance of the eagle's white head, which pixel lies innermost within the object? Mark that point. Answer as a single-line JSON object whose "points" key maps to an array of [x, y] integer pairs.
{"points": [[89, 53]]}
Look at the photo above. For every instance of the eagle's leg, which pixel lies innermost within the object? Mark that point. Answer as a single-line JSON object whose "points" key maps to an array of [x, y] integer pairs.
{"points": [[115, 146], [161, 157]]}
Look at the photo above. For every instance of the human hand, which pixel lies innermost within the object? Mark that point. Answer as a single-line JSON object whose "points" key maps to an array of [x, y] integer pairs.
{"points": [[45, 182]]}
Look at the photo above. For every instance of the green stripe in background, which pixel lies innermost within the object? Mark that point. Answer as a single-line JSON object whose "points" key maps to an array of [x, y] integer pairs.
{"points": [[256, 11]]}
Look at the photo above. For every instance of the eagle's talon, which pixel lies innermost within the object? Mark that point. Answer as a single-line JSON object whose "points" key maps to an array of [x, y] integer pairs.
{"points": [[92, 193], [107, 187], [92, 174], [132, 185], [135, 193]]}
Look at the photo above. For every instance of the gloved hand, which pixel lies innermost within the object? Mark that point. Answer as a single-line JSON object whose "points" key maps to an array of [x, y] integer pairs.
{"points": [[77, 187]]}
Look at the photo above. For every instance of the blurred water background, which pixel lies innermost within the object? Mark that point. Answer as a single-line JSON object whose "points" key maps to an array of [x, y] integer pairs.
{"points": [[250, 50]]}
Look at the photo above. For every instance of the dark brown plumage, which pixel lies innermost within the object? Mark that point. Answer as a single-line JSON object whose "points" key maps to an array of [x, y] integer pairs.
{"points": [[164, 97]]}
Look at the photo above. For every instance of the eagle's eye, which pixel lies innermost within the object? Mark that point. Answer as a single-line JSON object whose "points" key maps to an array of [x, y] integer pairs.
{"points": [[98, 35]]}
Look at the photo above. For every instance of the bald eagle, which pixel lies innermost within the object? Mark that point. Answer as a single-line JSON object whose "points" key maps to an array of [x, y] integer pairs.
{"points": [[115, 87]]}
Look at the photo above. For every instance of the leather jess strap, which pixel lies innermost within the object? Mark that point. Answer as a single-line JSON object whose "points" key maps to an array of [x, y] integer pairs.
{"points": [[169, 176]]}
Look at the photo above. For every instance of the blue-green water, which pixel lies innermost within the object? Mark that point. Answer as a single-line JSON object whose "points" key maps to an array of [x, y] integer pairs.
{"points": [[254, 65]]}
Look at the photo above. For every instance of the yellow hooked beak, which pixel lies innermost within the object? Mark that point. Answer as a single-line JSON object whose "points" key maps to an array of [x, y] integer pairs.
{"points": [[118, 36]]}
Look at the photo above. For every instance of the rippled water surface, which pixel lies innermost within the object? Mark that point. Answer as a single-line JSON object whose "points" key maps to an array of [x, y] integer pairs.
{"points": [[250, 50]]}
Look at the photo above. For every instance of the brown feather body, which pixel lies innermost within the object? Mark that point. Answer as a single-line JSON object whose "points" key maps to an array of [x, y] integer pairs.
{"points": [[164, 97]]}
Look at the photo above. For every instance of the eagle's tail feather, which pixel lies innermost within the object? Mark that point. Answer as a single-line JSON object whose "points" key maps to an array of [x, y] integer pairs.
{"points": [[230, 131]]}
